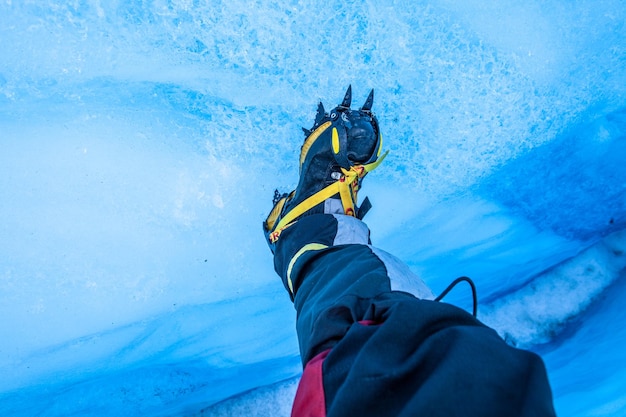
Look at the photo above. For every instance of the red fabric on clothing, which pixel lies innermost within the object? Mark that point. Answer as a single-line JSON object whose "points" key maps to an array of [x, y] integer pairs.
{"points": [[310, 400]]}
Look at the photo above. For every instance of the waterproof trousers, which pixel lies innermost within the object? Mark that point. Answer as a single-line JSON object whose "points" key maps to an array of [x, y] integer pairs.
{"points": [[373, 343]]}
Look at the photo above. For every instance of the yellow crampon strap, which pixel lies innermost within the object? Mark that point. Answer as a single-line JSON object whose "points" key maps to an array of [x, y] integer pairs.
{"points": [[346, 187], [275, 213]]}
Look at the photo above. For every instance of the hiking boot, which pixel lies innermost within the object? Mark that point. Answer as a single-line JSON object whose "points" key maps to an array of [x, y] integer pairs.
{"points": [[338, 151]]}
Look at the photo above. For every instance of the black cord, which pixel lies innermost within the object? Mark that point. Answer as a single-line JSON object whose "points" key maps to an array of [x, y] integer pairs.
{"points": [[453, 284]]}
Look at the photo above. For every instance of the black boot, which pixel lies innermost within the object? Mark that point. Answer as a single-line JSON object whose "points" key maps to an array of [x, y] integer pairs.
{"points": [[339, 150]]}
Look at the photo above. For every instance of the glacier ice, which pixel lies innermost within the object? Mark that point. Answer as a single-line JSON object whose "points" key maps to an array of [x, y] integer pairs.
{"points": [[141, 142]]}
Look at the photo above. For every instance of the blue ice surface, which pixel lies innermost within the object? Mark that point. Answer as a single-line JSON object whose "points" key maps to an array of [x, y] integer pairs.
{"points": [[141, 142]]}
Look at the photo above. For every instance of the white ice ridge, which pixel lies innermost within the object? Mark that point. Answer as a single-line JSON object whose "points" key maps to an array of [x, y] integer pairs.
{"points": [[534, 313], [271, 401]]}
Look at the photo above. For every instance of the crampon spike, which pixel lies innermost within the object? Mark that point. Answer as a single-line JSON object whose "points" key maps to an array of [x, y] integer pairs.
{"points": [[321, 114], [347, 99], [367, 106]]}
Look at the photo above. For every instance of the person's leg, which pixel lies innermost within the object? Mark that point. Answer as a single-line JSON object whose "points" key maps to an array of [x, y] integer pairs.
{"points": [[373, 351], [371, 340]]}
